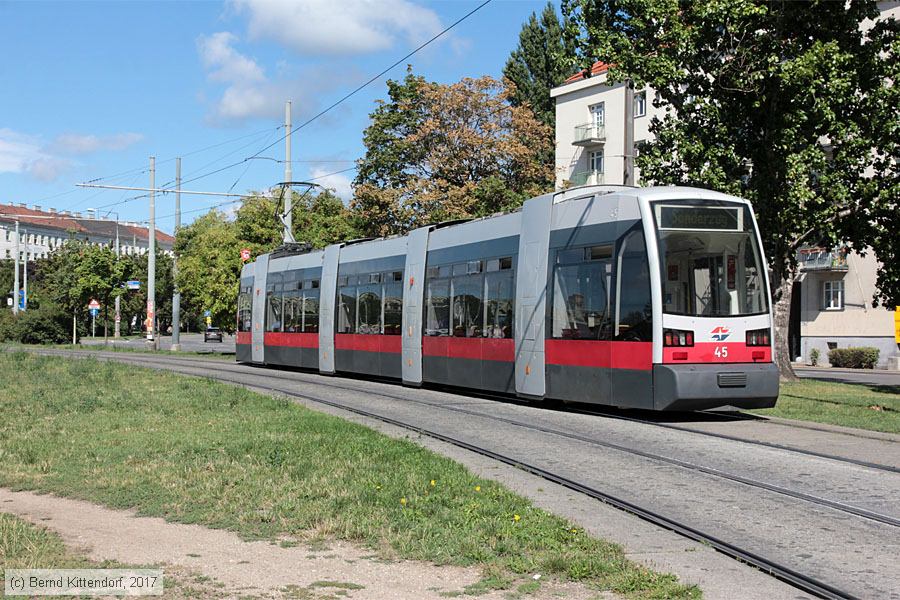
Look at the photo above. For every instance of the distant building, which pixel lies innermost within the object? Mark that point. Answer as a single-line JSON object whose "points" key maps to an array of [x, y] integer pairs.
{"points": [[44, 231], [831, 301]]}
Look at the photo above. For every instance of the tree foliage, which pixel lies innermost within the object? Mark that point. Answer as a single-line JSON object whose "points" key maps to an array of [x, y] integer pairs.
{"points": [[209, 266], [543, 60], [788, 104], [436, 152]]}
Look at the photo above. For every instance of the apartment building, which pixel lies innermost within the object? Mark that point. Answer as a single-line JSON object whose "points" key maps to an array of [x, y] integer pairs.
{"points": [[832, 301], [42, 231]]}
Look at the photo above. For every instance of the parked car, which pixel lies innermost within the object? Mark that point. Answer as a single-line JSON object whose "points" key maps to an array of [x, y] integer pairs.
{"points": [[212, 334]]}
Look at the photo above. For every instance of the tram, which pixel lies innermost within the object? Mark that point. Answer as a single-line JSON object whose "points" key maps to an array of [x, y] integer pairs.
{"points": [[652, 298]]}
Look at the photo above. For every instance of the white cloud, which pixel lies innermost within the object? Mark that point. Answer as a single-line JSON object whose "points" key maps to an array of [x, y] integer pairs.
{"points": [[249, 92], [73, 143], [338, 183], [49, 169], [224, 62], [342, 27], [23, 153]]}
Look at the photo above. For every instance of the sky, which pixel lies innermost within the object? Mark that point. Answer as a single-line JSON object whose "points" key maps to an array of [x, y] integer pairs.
{"points": [[90, 90]]}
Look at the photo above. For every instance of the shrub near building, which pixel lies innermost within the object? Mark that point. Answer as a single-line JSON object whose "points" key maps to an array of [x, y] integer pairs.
{"points": [[853, 358]]}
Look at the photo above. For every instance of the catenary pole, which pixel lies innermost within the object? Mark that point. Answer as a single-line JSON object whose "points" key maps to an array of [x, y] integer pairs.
{"points": [[176, 296], [25, 275], [16, 275], [151, 261], [118, 330], [288, 174]]}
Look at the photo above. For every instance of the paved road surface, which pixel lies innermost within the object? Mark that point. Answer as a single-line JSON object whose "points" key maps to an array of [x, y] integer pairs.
{"points": [[877, 377], [190, 342]]}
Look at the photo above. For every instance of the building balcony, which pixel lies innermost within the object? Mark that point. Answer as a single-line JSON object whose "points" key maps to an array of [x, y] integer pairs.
{"points": [[822, 259], [589, 134], [584, 178]]}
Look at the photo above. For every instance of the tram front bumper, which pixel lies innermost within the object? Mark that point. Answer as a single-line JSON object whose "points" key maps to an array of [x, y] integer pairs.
{"points": [[701, 386]]}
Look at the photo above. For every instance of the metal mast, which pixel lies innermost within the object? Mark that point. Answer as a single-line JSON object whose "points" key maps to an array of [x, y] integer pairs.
{"points": [[288, 175], [151, 261], [16, 276], [176, 296]]}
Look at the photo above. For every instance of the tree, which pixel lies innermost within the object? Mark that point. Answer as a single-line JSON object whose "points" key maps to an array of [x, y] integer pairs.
{"points": [[543, 60], [322, 219], [209, 267], [389, 153], [787, 104], [257, 225], [77, 273], [443, 152]]}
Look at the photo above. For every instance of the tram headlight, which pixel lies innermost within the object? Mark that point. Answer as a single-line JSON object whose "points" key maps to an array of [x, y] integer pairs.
{"points": [[678, 337], [758, 337]]}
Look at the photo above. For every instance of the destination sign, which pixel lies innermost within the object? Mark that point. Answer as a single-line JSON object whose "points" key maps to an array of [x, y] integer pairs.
{"points": [[698, 217]]}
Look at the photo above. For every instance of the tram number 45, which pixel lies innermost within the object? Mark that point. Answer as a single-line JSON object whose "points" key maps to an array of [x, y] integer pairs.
{"points": [[721, 352]]}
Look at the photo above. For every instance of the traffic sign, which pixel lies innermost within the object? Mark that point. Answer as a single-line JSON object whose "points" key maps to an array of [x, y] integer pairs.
{"points": [[245, 254], [207, 313], [95, 312], [94, 305], [133, 285]]}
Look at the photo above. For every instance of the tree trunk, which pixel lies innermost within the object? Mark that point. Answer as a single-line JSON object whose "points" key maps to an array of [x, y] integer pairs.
{"points": [[782, 316]]}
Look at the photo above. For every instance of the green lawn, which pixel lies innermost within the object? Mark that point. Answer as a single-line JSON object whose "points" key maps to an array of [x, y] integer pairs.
{"points": [[198, 451], [850, 405]]}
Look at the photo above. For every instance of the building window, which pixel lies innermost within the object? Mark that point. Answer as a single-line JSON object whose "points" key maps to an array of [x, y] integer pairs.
{"points": [[598, 114], [640, 104], [833, 295], [596, 162]]}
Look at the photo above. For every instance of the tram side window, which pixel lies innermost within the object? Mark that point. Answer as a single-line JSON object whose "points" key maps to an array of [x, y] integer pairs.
{"points": [[245, 310], [581, 301], [468, 310], [393, 306], [437, 307], [633, 306], [293, 318], [273, 310], [369, 308], [311, 311], [347, 310], [500, 294]]}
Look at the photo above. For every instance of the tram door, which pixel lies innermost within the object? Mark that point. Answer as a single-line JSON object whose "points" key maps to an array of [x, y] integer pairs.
{"points": [[259, 308]]}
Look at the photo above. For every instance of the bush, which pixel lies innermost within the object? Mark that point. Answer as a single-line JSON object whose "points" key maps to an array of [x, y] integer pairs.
{"points": [[36, 326], [853, 358], [814, 357]]}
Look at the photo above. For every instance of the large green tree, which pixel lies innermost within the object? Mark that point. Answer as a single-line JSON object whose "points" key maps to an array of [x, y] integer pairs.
{"points": [[436, 152], [77, 273], [542, 60], [789, 104], [209, 266]]}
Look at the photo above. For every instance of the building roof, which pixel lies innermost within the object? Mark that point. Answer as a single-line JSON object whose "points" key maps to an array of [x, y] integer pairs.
{"points": [[66, 222], [597, 68]]}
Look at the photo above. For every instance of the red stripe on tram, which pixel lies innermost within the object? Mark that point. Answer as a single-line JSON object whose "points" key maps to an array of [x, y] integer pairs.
{"points": [[600, 354]]}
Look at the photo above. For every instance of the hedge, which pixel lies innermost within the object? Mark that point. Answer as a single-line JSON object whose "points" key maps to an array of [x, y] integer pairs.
{"points": [[853, 358]]}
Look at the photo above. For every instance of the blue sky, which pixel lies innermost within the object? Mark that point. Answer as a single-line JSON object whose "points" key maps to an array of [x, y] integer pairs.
{"points": [[92, 89]]}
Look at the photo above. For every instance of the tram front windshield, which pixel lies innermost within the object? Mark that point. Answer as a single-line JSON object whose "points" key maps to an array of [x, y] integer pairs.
{"points": [[709, 259]]}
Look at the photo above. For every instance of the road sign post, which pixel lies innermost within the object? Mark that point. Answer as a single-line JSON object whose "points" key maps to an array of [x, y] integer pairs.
{"points": [[94, 307]]}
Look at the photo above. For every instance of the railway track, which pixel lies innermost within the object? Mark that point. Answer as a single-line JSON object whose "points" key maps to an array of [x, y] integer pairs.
{"points": [[224, 372], [343, 384]]}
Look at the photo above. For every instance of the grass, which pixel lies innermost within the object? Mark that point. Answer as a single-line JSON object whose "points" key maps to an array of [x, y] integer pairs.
{"points": [[876, 408], [27, 546], [198, 451]]}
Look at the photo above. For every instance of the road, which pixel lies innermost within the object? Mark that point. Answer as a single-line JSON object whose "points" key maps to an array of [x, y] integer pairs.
{"points": [[833, 516], [875, 377], [190, 342]]}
